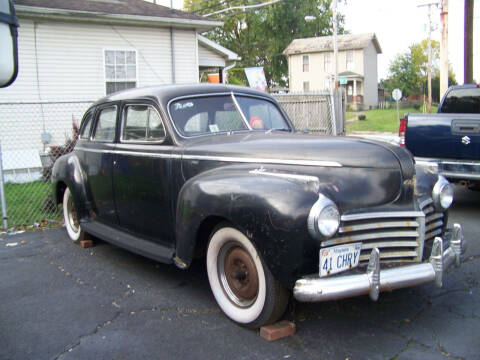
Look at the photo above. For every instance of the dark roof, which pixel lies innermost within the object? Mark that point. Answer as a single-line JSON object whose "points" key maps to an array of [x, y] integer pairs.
{"points": [[164, 93], [121, 7]]}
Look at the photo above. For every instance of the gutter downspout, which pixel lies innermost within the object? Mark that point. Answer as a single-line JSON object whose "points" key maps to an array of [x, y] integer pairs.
{"points": [[172, 48], [225, 71]]}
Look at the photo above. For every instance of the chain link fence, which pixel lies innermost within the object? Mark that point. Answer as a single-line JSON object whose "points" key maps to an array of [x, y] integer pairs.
{"points": [[34, 135], [318, 113]]}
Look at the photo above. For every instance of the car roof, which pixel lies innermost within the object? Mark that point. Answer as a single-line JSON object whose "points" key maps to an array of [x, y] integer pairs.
{"points": [[164, 93]]}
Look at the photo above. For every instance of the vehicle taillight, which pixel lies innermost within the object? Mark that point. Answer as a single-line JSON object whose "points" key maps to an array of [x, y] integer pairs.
{"points": [[401, 131]]}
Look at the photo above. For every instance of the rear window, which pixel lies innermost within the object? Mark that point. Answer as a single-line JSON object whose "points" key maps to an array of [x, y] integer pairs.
{"points": [[462, 101]]}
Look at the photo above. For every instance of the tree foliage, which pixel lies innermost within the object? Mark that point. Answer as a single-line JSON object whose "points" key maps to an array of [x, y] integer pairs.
{"points": [[408, 71], [259, 36]]}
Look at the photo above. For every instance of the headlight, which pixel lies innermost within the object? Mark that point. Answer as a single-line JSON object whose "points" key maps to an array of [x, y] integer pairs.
{"points": [[442, 194], [324, 218]]}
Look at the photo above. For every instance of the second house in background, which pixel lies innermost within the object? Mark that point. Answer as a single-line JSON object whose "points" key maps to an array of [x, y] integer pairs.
{"points": [[311, 66]]}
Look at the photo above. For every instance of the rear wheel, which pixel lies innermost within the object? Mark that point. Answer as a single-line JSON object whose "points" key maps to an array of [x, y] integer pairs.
{"points": [[242, 284], [72, 225]]}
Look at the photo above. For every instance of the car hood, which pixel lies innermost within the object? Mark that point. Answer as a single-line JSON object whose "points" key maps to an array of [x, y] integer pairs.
{"points": [[276, 147]]}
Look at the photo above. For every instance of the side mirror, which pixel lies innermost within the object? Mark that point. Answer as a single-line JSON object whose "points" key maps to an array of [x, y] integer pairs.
{"points": [[8, 43]]}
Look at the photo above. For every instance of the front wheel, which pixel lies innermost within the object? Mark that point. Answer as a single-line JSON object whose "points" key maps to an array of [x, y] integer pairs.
{"points": [[72, 225], [242, 284]]}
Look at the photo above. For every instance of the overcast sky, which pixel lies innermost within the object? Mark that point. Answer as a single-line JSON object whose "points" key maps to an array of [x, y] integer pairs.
{"points": [[400, 23]]}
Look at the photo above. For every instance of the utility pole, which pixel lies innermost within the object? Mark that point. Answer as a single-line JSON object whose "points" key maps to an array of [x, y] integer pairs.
{"points": [[468, 44], [444, 49], [429, 69], [335, 45]]}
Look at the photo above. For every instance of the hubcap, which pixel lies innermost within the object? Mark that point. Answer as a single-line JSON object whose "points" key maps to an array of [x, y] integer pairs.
{"points": [[238, 275]]}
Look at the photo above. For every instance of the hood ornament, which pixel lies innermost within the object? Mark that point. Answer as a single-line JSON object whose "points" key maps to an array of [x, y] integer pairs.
{"points": [[466, 140]]}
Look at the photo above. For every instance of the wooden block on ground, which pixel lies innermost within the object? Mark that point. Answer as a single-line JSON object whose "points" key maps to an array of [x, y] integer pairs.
{"points": [[278, 330], [84, 244]]}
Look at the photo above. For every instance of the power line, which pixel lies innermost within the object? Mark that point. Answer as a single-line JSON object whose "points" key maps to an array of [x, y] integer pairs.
{"points": [[213, 6], [242, 7]]}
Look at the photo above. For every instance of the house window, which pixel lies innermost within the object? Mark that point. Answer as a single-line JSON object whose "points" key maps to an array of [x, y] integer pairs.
{"points": [[306, 61], [306, 86], [349, 58], [120, 70], [327, 60]]}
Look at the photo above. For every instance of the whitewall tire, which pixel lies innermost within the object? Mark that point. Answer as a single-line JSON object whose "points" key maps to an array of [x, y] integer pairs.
{"points": [[72, 225], [242, 284]]}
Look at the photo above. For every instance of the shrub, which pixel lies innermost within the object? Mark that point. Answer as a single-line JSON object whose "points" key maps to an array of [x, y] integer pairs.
{"points": [[417, 106], [362, 117]]}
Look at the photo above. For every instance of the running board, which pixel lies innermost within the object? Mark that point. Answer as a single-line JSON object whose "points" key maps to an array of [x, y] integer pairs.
{"points": [[129, 242]]}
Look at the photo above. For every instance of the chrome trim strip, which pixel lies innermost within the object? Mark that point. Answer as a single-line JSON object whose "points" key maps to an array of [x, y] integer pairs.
{"points": [[377, 225], [448, 162], [370, 236], [460, 175], [393, 254], [432, 234], [425, 202], [392, 214], [222, 158], [264, 160], [303, 178], [433, 217], [433, 226], [387, 244]]}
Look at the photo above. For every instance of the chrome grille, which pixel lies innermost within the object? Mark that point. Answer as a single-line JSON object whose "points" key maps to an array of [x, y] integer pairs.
{"points": [[398, 235], [434, 221]]}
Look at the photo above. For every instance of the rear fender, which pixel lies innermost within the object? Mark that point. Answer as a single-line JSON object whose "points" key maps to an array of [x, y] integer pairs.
{"points": [[270, 210], [67, 170]]}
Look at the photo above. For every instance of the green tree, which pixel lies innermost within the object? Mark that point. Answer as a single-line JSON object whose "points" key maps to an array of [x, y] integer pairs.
{"points": [[259, 36], [408, 71]]}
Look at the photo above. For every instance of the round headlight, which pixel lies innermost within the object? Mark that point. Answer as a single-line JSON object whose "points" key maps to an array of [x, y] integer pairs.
{"points": [[442, 194], [324, 218], [328, 221]]}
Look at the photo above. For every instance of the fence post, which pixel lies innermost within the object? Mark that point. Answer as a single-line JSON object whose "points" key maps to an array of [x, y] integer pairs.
{"points": [[2, 192], [333, 109]]}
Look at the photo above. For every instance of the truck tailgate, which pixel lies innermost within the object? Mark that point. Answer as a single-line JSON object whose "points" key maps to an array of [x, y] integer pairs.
{"points": [[448, 136]]}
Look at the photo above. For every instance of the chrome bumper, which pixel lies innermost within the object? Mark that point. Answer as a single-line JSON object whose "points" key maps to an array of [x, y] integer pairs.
{"points": [[452, 169], [374, 280]]}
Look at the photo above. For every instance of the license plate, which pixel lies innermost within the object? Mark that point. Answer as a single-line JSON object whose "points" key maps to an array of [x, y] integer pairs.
{"points": [[339, 258]]}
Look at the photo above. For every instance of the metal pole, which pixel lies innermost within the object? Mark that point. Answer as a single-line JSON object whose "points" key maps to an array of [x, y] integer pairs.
{"points": [[2, 193], [468, 43], [335, 45], [444, 49], [429, 70]]}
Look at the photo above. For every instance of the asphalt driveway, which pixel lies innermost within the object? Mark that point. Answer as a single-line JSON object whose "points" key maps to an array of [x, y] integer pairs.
{"points": [[58, 301]]}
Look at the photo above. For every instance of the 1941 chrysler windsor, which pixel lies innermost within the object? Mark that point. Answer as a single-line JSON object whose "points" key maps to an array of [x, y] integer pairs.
{"points": [[173, 172]]}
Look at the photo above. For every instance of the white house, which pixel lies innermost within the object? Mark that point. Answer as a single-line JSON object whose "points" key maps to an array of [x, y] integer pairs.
{"points": [[311, 67], [73, 52]]}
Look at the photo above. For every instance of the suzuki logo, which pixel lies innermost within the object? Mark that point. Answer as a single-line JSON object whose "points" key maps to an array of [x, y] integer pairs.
{"points": [[466, 140]]}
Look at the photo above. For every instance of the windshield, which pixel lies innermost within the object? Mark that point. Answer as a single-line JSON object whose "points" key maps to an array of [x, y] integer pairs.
{"points": [[215, 114], [462, 101]]}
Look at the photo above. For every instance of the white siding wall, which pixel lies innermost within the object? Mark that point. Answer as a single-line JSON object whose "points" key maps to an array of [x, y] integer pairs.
{"points": [[371, 76], [186, 62], [71, 68], [207, 57]]}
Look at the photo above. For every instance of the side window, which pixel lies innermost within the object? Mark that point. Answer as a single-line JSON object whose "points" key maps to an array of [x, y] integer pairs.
{"points": [[105, 129], [142, 123], [86, 126]]}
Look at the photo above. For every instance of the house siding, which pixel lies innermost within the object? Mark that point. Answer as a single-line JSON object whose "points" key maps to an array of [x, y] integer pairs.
{"points": [[70, 61], [371, 76], [207, 57]]}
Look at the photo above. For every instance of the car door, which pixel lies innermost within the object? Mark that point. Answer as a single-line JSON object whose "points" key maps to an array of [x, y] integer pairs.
{"points": [[142, 172], [98, 163]]}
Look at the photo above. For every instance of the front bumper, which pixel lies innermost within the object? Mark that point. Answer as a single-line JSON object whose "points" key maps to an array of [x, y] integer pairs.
{"points": [[452, 169], [374, 280]]}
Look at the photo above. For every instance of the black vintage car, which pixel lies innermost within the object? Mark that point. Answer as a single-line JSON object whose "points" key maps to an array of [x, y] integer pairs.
{"points": [[175, 172]]}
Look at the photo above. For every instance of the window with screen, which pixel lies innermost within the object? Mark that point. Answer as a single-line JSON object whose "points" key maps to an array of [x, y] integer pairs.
{"points": [[306, 63], [105, 128], [327, 60], [349, 60], [142, 123], [120, 70]]}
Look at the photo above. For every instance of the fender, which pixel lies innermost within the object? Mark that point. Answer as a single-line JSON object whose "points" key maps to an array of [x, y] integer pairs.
{"points": [[271, 209], [67, 169]]}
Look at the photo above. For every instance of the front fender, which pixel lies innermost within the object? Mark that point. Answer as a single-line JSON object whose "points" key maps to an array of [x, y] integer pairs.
{"points": [[271, 211], [67, 170]]}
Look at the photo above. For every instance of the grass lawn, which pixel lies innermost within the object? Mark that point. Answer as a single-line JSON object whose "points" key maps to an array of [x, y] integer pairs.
{"points": [[381, 120], [27, 204]]}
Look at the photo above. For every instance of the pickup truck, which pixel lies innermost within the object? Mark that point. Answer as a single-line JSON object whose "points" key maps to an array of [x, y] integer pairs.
{"points": [[448, 142]]}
